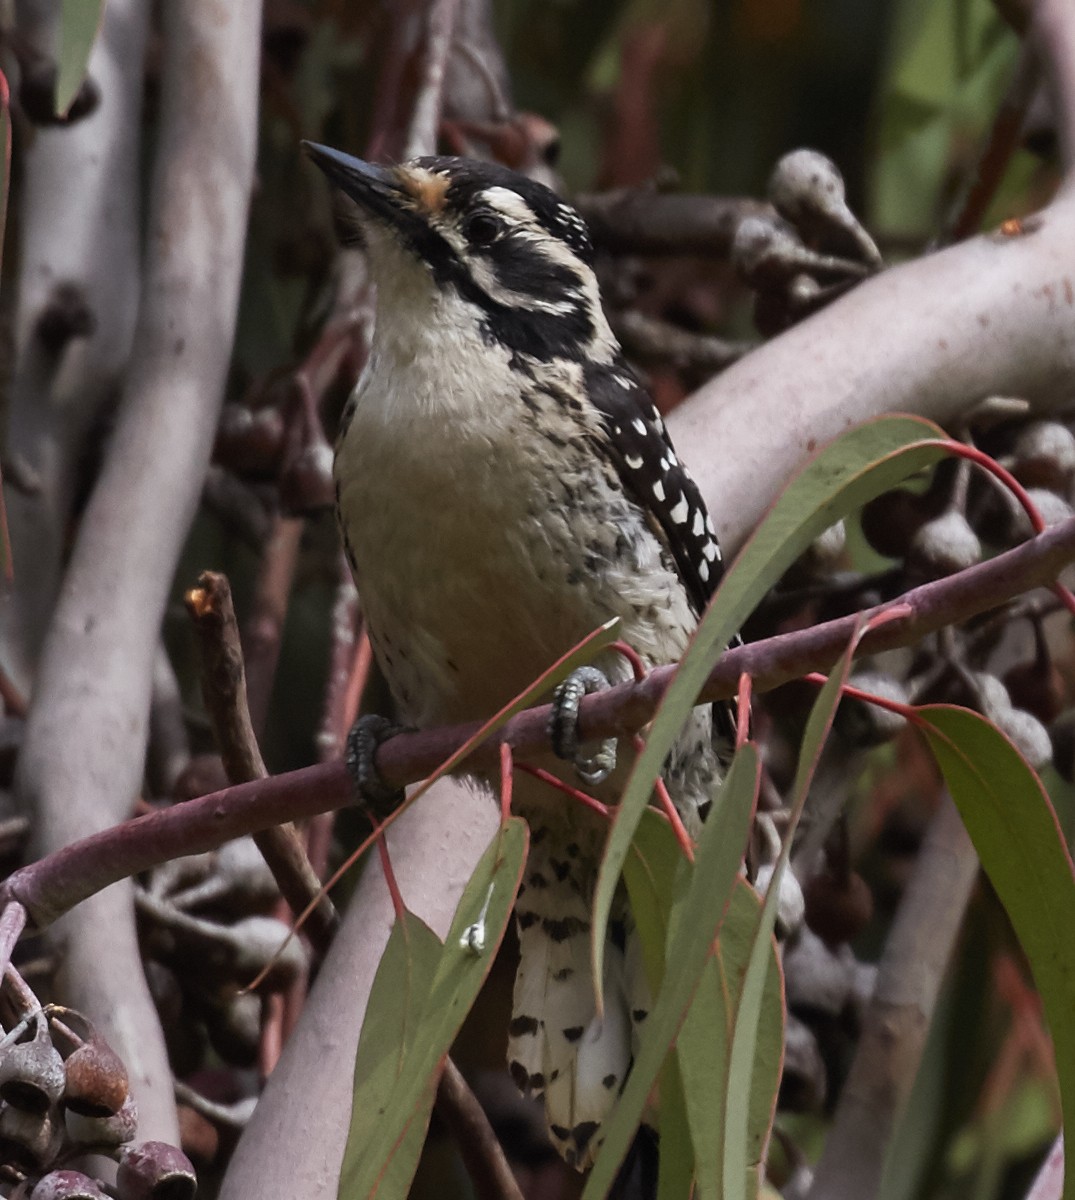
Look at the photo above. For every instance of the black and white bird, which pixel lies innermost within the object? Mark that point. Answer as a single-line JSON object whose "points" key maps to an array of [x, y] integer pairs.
{"points": [[505, 485]]}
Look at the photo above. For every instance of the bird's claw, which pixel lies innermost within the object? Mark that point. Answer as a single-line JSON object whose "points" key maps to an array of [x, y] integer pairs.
{"points": [[367, 733], [564, 726]]}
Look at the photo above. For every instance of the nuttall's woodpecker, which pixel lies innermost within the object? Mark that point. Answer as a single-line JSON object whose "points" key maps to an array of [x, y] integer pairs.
{"points": [[504, 486]]}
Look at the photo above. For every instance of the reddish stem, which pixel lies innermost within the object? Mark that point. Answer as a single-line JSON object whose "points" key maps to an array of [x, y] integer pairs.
{"points": [[742, 710], [686, 843], [1037, 521], [389, 875], [555, 782], [633, 657], [507, 774]]}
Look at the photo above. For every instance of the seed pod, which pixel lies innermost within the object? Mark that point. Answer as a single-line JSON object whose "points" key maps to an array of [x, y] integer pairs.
{"points": [[306, 486], [803, 1082], [1044, 456], [1037, 685], [250, 442], [807, 189], [943, 546], [67, 1185], [97, 1083], [816, 976], [790, 905], [826, 550], [1051, 508], [155, 1171], [31, 1072], [239, 882], [234, 1028], [29, 1140], [198, 1136], [864, 724], [104, 1133], [891, 520], [1027, 734], [838, 908]]}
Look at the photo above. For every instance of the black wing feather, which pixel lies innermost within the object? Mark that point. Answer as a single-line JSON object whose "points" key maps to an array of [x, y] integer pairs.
{"points": [[652, 475]]}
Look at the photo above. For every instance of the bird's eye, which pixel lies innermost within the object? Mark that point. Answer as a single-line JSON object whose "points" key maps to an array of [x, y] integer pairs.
{"points": [[482, 229]]}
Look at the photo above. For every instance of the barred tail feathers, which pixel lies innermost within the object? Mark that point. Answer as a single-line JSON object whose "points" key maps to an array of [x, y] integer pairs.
{"points": [[557, 1046]]}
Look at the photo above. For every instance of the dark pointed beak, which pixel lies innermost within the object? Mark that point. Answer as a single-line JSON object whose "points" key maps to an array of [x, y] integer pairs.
{"points": [[372, 187]]}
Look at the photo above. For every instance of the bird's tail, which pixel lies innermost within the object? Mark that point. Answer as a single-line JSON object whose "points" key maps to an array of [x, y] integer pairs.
{"points": [[558, 1047]]}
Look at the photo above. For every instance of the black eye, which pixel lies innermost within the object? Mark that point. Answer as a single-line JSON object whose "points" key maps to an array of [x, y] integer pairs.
{"points": [[482, 229]]}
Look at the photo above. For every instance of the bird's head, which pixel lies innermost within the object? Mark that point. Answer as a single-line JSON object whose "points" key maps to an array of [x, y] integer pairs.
{"points": [[456, 231]]}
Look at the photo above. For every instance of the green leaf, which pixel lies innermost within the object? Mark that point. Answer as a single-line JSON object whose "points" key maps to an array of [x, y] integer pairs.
{"points": [[675, 1165], [865, 462], [1017, 837], [738, 1148], [393, 1016], [693, 930], [79, 22], [396, 1073], [650, 874], [704, 1045], [949, 66]]}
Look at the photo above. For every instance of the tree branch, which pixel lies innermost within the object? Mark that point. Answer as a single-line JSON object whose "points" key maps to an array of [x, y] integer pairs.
{"points": [[52, 885], [82, 759], [224, 689], [898, 1018], [644, 221]]}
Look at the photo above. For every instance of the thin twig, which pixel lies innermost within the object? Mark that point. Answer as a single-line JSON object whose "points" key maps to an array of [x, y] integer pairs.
{"points": [[1003, 141], [481, 1151], [643, 221], [264, 627], [224, 689], [651, 340], [425, 116], [1053, 31], [12, 923]]}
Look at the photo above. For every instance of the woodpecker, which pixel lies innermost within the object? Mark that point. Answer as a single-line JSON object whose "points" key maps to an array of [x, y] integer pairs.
{"points": [[505, 485]]}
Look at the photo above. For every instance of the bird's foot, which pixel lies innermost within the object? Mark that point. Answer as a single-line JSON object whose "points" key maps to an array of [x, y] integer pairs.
{"points": [[373, 793], [564, 726]]}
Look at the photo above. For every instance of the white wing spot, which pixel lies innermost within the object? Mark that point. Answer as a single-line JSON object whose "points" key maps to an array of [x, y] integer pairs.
{"points": [[634, 461], [703, 572], [668, 463], [639, 426], [681, 511], [658, 490], [709, 526], [711, 551], [698, 528]]}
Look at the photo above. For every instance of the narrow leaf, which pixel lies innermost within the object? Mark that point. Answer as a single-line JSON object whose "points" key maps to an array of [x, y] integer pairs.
{"points": [[1018, 839], [393, 1015], [738, 1145], [650, 874], [862, 464], [704, 1045], [675, 1167], [79, 22], [720, 851], [384, 1161]]}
